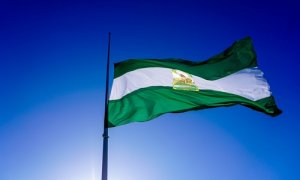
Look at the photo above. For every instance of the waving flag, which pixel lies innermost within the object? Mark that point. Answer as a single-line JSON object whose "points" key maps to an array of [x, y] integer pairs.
{"points": [[146, 88]]}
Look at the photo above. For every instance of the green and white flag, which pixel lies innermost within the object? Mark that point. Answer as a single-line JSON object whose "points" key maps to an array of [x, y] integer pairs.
{"points": [[146, 88]]}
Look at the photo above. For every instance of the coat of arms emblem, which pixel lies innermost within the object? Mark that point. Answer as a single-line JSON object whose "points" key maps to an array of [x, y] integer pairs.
{"points": [[183, 81]]}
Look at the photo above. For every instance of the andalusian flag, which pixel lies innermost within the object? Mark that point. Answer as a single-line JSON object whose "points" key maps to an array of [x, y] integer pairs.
{"points": [[146, 88]]}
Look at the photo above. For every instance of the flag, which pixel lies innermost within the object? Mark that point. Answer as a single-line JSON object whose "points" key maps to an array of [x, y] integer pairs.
{"points": [[147, 88]]}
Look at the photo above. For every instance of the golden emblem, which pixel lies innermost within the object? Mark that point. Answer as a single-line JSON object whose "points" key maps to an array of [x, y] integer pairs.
{"points": [[183, 81]]}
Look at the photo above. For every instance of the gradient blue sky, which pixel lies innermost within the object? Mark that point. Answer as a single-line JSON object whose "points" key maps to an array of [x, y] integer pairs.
{"points": [[52, 78]]}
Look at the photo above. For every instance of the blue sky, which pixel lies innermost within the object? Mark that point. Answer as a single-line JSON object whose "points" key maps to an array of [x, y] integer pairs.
{"points": [[52, 78]]}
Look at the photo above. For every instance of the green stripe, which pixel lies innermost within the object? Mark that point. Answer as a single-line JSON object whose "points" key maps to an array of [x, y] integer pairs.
{"points": [[239, 56], [148, 103]]}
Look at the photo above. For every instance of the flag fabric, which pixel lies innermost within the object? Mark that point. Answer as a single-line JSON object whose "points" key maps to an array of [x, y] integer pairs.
{"points": [[147, 88]]}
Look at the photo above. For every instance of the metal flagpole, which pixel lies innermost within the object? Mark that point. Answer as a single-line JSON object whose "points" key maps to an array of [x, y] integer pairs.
{"points": [[105, 132]]}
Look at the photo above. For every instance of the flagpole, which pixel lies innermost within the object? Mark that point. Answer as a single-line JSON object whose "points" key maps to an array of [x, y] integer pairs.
{"points": [[105, 131]]}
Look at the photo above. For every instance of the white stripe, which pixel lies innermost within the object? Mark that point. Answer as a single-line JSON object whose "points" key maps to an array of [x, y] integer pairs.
{"points": [[248, 83]]}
